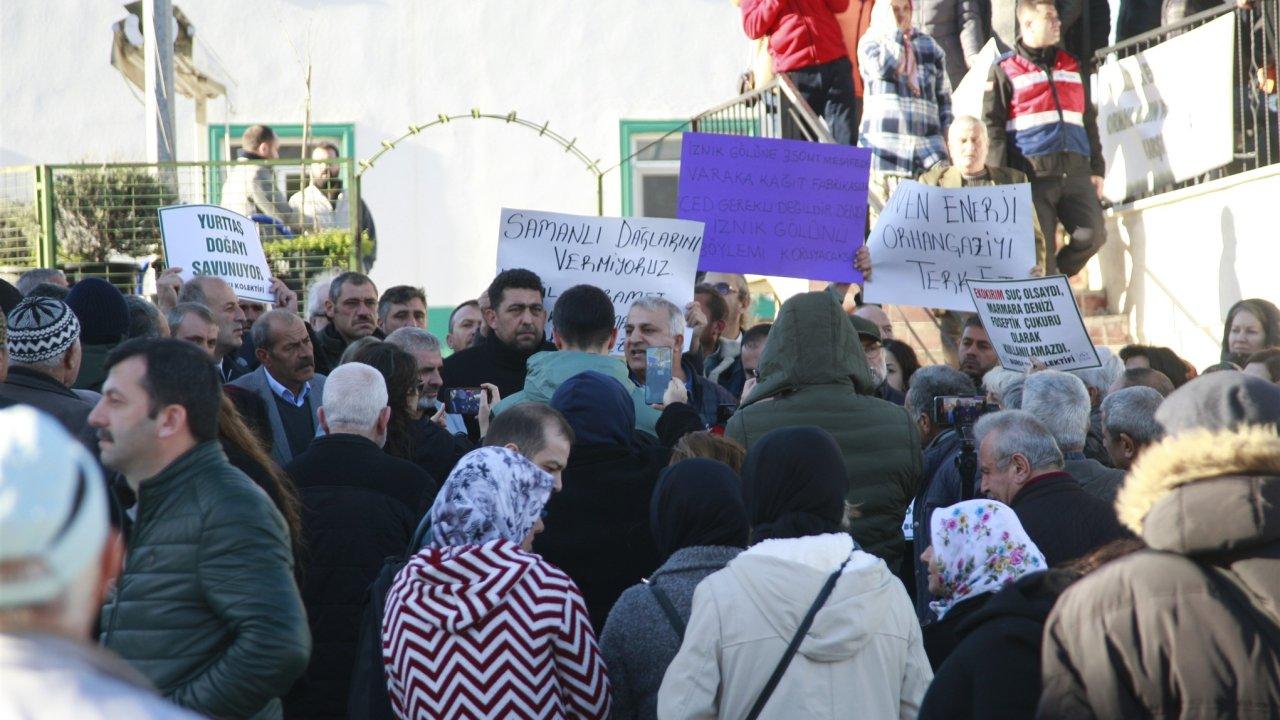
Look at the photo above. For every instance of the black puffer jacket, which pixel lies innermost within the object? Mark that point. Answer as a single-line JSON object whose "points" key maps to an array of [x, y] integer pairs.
{"points": [[206, 606], [359, 506], [994, 670]]}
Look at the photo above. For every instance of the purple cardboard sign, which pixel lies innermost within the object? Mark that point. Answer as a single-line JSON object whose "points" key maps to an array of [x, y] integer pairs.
{"points": [[775, 207]]}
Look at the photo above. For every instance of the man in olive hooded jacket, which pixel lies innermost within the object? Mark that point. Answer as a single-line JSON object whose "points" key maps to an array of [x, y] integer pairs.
{"points": [[813, 372]]}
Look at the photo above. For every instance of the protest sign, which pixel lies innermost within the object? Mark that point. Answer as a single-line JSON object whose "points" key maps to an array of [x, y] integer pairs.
{"points": [[775, 207], [929, 241], [1157, 127], [210, 240], [628, 258], [967, 97], [1034, 318]]}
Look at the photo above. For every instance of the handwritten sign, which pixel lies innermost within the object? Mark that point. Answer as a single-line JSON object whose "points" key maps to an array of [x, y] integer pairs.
{"points": [[930, 241], [211, 240], [628, 258], [775, 207], [1034, 318]]}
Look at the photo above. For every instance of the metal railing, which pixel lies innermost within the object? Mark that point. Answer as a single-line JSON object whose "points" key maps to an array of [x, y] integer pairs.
{"points": [[1254, 104], [775, 110], [100, 220]]}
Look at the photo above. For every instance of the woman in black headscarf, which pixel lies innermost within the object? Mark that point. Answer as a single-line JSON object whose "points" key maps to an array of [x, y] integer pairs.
{"points": [[598, 525], [863, 647], [699, 524], [794, 481]]}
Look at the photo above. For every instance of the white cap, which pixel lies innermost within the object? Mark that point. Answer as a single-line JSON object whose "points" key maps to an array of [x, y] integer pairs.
{"points": [[53, 508]]}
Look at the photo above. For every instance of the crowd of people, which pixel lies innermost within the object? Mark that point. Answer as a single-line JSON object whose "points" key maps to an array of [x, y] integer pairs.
{"points": [[250, 514], [216, 507]]}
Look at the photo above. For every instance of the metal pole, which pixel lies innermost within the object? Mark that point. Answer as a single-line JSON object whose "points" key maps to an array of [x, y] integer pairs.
{"points": [[157, 31]]}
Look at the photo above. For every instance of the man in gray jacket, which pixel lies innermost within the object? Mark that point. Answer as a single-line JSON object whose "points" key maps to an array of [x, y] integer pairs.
{"points": [[250, 188], [206, 607], [286, 380]]}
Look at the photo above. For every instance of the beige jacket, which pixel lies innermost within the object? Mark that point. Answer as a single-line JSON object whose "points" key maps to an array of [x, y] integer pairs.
{"points": [[863, 656]]}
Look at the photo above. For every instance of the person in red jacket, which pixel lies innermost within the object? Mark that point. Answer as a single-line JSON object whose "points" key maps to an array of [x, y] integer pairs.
{"points": [[806, 42]]}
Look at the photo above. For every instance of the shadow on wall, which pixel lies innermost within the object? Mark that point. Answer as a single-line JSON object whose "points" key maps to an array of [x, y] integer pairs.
{"points": [[1228, 281], [1136, 289]]}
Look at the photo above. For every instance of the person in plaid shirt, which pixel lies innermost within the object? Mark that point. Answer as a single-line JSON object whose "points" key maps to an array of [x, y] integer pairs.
{"points": [[907, 99]]}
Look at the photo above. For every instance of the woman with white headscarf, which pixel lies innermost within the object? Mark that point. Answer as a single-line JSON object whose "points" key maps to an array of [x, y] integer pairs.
{"points": [[476, 624], [978, 547]]}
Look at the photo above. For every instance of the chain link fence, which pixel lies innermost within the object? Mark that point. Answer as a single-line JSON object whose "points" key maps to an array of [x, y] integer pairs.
{"points": [[101, 220]]}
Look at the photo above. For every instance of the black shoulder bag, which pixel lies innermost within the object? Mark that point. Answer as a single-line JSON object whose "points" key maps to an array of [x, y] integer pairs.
{"points": [[668, 608], [805, 624]]}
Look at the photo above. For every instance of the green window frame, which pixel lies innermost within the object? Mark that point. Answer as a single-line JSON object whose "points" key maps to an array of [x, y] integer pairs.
{"points": [[629, 129], [219, 133]]}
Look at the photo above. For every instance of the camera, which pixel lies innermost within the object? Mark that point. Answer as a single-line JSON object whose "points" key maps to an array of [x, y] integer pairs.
{"points": [[961, 412]]}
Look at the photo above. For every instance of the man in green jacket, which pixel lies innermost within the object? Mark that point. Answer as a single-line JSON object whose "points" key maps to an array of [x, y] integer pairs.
{"points": [[813, 372], [206, 607], [585, 333]]}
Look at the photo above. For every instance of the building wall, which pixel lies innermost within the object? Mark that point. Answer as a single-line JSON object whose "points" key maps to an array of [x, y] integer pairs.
{"points": [[580, 65], [1191, 255]]}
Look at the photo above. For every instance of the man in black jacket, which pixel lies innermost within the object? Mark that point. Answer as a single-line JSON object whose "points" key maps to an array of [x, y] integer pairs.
{"points": [[43, 345], [1022, 467], [359, 505], [517, 321], [940, 483], [352, 308]]}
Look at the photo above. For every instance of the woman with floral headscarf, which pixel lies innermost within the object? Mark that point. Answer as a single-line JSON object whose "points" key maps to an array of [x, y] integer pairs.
{"points": [[477, 625], [978, 547]]}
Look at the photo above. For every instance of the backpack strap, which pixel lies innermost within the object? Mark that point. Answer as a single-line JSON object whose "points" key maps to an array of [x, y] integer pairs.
{"points": [[790, 653], [668, 608]]}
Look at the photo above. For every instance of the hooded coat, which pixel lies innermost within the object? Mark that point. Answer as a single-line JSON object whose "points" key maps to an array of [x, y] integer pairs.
{"points": [[547, 370], [813, 372], [863, 653], [1158, 615], [598, 524]]}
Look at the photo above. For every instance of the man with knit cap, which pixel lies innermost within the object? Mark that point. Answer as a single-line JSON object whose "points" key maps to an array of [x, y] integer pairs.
{"points": [[104, 323], [1204, 598], [44, 361], [58, 555]]}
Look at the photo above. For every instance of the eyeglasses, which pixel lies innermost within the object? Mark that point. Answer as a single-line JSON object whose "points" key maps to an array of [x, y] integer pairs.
{"points": [[724, 288]]}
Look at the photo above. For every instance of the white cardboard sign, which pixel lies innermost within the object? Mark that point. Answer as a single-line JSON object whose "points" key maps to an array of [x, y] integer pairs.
{"points": [[929, 242], [1034, 318], [212, 240], [628, 258]]}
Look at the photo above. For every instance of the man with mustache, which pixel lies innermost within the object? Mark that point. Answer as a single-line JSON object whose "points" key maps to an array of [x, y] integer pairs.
{"points": [[286, 381], [352, 309], [517, 319]]}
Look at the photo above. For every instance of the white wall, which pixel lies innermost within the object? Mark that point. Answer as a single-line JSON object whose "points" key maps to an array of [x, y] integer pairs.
{"points": [[581, 65], [1203, 248]]}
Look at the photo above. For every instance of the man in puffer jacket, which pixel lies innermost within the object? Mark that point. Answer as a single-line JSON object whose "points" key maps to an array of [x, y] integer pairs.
{"points": [[206, 607], [1041, 123], [1187, 628], [813, 372]]}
